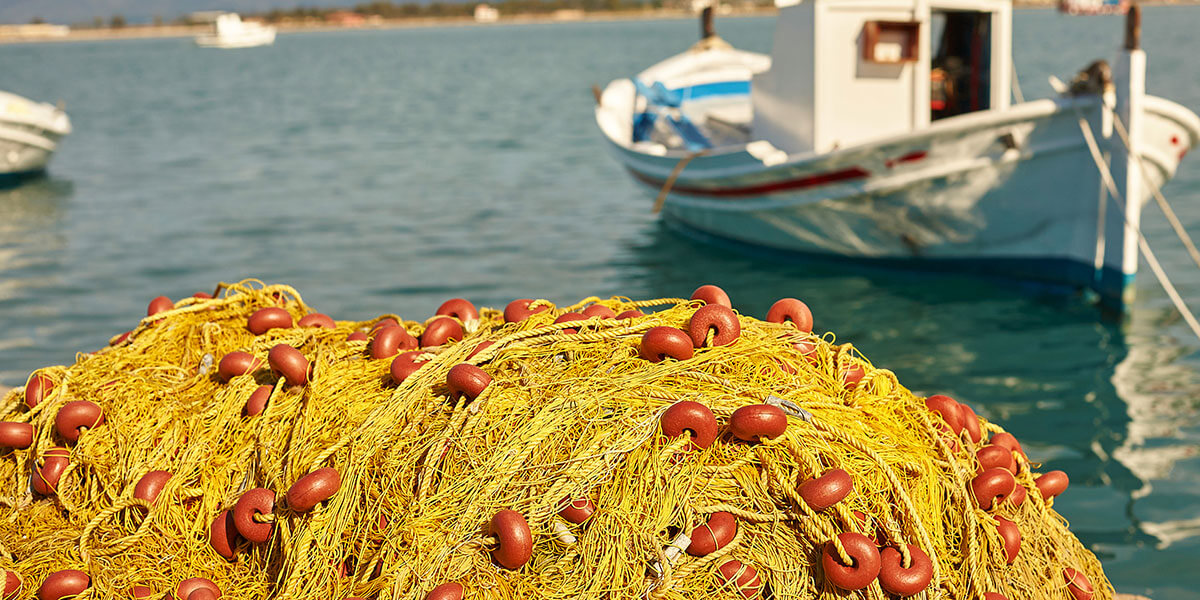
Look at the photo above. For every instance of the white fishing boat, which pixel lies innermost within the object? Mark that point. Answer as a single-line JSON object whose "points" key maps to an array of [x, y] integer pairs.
{"points": [[29, 134], [230, 31], [884, 131]]}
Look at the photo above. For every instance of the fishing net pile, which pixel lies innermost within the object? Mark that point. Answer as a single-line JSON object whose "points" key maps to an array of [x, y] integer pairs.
{"points": [[244, 446]]}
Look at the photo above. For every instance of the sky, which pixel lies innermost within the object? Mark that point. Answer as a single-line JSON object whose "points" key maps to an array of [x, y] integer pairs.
{"points": [[80, 11]]}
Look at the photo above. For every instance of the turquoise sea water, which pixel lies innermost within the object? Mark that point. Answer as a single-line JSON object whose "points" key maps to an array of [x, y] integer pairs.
{"points": [[386, 171]]}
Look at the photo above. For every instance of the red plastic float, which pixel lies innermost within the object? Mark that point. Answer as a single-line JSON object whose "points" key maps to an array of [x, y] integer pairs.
{"points": [[970, 422], [712, 294], [45, 478], [356, 336], [1019, 494], [289, 363], [64, 584], [481, 347], [747, 583], [758, 422], [516, 540], [159, 304], [385, 322], [313, 489], [317, 320], [865, 562], [599, 310], [576, 510], [441, 330], [237, 363], [992, 487], [692, 418], [467, 380], [258, 501], [661, 343], [901, 581], [713, 535], [870, 529], [791, 310], [151, 485], [851, 375], [994, 596], [948, 409], [569, 317], [459, 309], [1009, 441], [991, 456], [258, 400], [203, 594], [266, 319], [36, 389], [187, 588], [822, 492], [223, 535], [141, 592], [391, 339], [1078, 584], [519, 310], [632, 313], [12, 585], [1011, 535], [16, 435], [405, 365], [446, 591], [75, 416], [711, 317], [1052, 484]]}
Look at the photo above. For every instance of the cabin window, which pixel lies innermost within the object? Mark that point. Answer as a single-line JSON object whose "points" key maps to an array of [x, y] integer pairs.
{"points": [[890, 42], [961, 69]]}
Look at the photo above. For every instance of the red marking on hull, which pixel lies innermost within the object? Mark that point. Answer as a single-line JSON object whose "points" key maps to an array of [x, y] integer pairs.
{"points": [[913, 156], [808, 181]]}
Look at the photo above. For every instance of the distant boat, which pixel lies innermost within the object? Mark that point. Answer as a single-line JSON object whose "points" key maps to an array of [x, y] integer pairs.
{"points": [[884, 131], [29, 134], [230, 31]]}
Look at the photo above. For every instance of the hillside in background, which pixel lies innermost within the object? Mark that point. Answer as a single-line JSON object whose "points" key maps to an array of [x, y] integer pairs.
{"points": [[83, 11]]}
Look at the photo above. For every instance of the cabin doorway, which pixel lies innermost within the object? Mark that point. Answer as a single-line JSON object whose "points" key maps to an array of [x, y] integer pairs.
{"points": [[961, 69]]}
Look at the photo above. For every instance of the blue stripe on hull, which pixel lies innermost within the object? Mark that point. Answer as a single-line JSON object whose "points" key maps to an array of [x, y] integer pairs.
{"points": [[720, 88], [1041, 275], [17, 178]]}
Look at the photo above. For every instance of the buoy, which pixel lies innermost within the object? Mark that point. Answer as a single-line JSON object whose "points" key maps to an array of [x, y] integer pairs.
{"points": [[899, 580], [712, 294], [690, 418], [791, 310], [661, 343], [822, 492], [320, 320], [864, 566], [290, 363], [713, 535], [720, 320], [758, 422], [516, 541], [313, 489], [266, 319], [254, 503]]}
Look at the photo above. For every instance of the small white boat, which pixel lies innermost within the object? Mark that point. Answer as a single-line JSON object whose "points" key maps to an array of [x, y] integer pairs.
{"points": [[883, 131], [230, 31], [29, 134]]}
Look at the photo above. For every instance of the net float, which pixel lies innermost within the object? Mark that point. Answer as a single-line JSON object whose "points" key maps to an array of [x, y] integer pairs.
{"points": [[290, 363], [141, 592], [223, 535], [404, 365], [713, 535], [37, 389], [1011, 535], [870, 528], [791, 310], [467, 380], [151, 485], [203, 594], [516, 540], [76, 416], [480, 348], [45, 478], [970, 422], [947, 408], [64, 584], [807, 349], [237, 363], [712, 294], [715, 318], [901, 581], [459, 309], [632, 313], [258, 400], [391, 339], [576, 510], [385, 322], [317, 320], [851, 375], [12, 585], [203, 295], [266, 319], [864, 566], [258, 501], [690, 418], [1009, 441], [356, 336], [996, 456], [16, 435], [822, 492], [1078, 584], [992, 487], [1018, 496], [757, 422], [569, 317], [519, 310], [660, 343], [743, 577], [120, 338], [994, 596], [313, 489], [1052, 484], [159, 304], [441, 330], [446, 591], [187, 589], [599, 310]]}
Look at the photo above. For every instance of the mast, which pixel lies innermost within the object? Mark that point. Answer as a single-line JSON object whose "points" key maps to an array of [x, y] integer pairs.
{"points": [[1129, 75]]}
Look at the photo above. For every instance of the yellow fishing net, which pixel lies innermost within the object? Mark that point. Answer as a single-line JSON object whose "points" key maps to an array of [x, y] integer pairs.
{"points": [[423, 478]]}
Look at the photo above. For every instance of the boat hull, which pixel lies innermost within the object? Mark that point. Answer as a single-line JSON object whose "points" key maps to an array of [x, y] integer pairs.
{"points": [[29, 135]]}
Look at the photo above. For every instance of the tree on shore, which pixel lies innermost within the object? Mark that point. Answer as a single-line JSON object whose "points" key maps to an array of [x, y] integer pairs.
{"points": [[116, 22]]}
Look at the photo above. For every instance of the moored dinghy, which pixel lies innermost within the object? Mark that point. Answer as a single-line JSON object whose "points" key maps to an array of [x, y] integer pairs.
{"points": [[883, 131], [29, 134]]}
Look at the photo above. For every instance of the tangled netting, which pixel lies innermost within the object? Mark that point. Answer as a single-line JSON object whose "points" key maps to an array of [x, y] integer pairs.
{"points": [[244, 447]]}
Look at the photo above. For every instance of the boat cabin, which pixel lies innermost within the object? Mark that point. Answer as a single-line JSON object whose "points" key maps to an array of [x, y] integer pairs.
{"points": [[846, 71]]}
